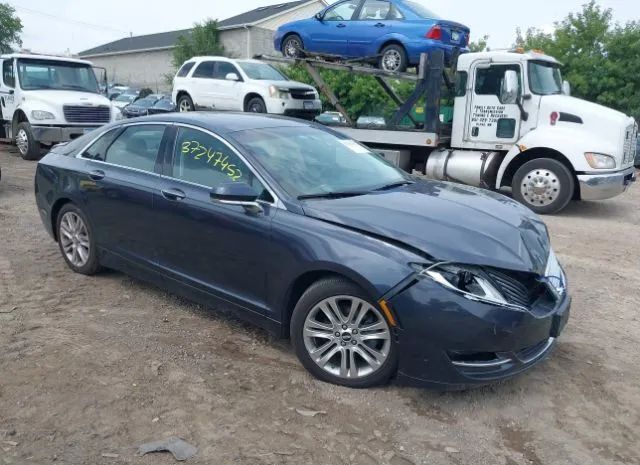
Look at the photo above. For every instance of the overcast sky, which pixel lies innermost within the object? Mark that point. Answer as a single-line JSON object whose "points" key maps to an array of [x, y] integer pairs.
{"points": [[74, 25]]}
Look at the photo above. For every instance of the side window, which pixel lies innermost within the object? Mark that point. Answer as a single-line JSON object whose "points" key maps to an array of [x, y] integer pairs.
{"points": [[185, 69], [489, 80], [98, 149], [223, 69], [342, 12], [136, 147], [203, 159], [8, 75], [461, 83], [375, 10], [204, 70]]}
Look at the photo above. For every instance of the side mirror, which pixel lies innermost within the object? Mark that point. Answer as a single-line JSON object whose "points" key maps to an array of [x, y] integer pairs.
{"points": [[232, 77], [566, 88], [237, 193], [509, 89], [319, 16]]}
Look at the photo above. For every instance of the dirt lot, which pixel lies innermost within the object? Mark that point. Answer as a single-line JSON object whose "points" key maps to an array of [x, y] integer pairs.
{"points": [[93, 366]]}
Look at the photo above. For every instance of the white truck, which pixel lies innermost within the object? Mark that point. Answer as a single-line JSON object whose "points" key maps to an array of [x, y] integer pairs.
{"points": [[514, 128], [45, 100]]}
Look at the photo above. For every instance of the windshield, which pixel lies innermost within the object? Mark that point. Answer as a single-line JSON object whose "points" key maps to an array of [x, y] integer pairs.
{"points": [[262, 72], [308, 161], [420, 10], [545, 78], [125, 98], [37, 74]]}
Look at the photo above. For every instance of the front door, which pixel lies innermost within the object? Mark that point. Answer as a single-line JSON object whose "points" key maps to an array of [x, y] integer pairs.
{"points": [[331, 35], [7, 90], [227, 92], [217, 248], [492, 124], [118, 182]]}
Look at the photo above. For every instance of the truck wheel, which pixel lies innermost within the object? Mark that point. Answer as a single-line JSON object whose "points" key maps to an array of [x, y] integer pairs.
{"points": [[256, 105], [26, 142], [393, 58], [544, 185]]}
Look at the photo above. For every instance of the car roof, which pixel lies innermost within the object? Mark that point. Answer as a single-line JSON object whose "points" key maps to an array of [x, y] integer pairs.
{"points": [[227, 122]]}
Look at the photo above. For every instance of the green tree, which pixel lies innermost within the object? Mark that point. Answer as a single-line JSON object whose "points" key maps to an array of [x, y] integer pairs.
{"points": [[203, 39], [10, 28], [600, 59], [480, 45]]}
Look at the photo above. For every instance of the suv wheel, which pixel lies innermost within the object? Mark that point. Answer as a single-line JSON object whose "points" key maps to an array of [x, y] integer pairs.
{"points": [[256, 105], [185, 104], [26, 142], [341, 336]]}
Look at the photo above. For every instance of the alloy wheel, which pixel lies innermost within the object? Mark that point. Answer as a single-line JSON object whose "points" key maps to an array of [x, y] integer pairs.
{"points": [[74, 238], [347, 337], [22, 141], [185, 106], [540, 187], [391, 60], [292, 48]]}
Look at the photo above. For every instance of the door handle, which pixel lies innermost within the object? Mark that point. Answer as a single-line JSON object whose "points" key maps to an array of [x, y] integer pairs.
{"points": [[380, 25], [341, 25], [173, 194], [97, 175]]}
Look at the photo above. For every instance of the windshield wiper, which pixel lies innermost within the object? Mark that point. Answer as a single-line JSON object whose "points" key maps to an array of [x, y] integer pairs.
{"points": [[394, 185], [332, 195]]}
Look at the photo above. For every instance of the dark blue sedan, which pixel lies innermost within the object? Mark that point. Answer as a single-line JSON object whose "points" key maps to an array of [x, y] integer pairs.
{"points": [[370, 272], [392, 32]]}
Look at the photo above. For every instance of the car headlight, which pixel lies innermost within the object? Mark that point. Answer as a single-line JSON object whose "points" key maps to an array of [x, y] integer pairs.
{"points": [[600, 161], [277, 92], [40, 115], [470, 282], [554, 274]]}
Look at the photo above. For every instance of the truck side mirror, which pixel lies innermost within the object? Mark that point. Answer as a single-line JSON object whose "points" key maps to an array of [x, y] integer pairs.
{"points": [[509, 88], [566, 88]]}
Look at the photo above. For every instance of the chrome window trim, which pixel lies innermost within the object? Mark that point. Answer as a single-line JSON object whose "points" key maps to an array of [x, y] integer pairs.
{"points": [[277, 203]]}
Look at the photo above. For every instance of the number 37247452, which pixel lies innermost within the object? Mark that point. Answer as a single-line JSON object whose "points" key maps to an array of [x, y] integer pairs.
{"points": [[209, 156]]}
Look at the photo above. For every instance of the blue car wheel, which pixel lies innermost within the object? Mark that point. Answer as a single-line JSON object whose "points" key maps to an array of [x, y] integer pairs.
{"points": [[292, 46], [393, 58]]}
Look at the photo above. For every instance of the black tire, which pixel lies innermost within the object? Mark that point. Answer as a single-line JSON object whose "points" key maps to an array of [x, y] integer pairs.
{"points": [[315, 294], [292, 47], [559, 185], [399, 55], [92, 265], [28, 146], [185, 104], [256, 105]]}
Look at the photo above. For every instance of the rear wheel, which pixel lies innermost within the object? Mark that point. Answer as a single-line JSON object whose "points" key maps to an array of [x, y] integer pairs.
{"points": [[292, 47], [544, 185], [76, 241], [185, 104], [256, 105], [26, 142], [393, 58], [341, 336]]}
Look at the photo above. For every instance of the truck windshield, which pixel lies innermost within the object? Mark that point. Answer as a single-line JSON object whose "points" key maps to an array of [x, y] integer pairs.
{"points": [[545, 78], [36, 74]]}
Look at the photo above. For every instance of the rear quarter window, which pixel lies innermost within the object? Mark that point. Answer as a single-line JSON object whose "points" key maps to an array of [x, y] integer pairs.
{"points": [[185, 69]]}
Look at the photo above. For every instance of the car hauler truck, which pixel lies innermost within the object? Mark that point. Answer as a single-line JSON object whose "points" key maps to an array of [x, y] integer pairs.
{"points": [[45, 100], [514, 128]]}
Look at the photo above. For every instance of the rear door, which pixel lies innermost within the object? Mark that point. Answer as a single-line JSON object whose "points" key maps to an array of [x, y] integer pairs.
{"points": [[331, 35], [202, 83], [120, 175], [375, 19]]}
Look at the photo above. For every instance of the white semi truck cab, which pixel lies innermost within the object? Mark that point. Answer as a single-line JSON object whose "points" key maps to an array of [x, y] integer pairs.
{"points": [[45, 100], [515, 127]]}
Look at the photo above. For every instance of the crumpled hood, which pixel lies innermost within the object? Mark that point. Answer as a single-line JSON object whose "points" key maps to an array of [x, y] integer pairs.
{"points": [[447, 221]]}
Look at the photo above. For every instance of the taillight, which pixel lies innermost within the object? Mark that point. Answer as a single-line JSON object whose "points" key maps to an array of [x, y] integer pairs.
{"points": [[435, 33]]}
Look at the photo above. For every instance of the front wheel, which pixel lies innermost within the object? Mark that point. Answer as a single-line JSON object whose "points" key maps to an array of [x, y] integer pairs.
{"points": [[256, 105], [341, 336], [544, 185], [26, 142], [292, 47]]}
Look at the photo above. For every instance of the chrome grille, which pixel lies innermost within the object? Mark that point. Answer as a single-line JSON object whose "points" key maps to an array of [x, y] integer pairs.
{"points": [[629, 149], [86, 114]]}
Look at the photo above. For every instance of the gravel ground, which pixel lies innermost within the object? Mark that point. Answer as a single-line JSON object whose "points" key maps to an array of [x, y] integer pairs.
{"points": [[99, 365]]}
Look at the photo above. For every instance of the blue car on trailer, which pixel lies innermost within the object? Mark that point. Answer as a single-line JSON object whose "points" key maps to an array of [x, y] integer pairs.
{"points": [[392, 32]]}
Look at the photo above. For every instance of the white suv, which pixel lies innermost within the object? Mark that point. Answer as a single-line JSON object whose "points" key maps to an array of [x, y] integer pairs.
{"points": [[217, 83]]}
